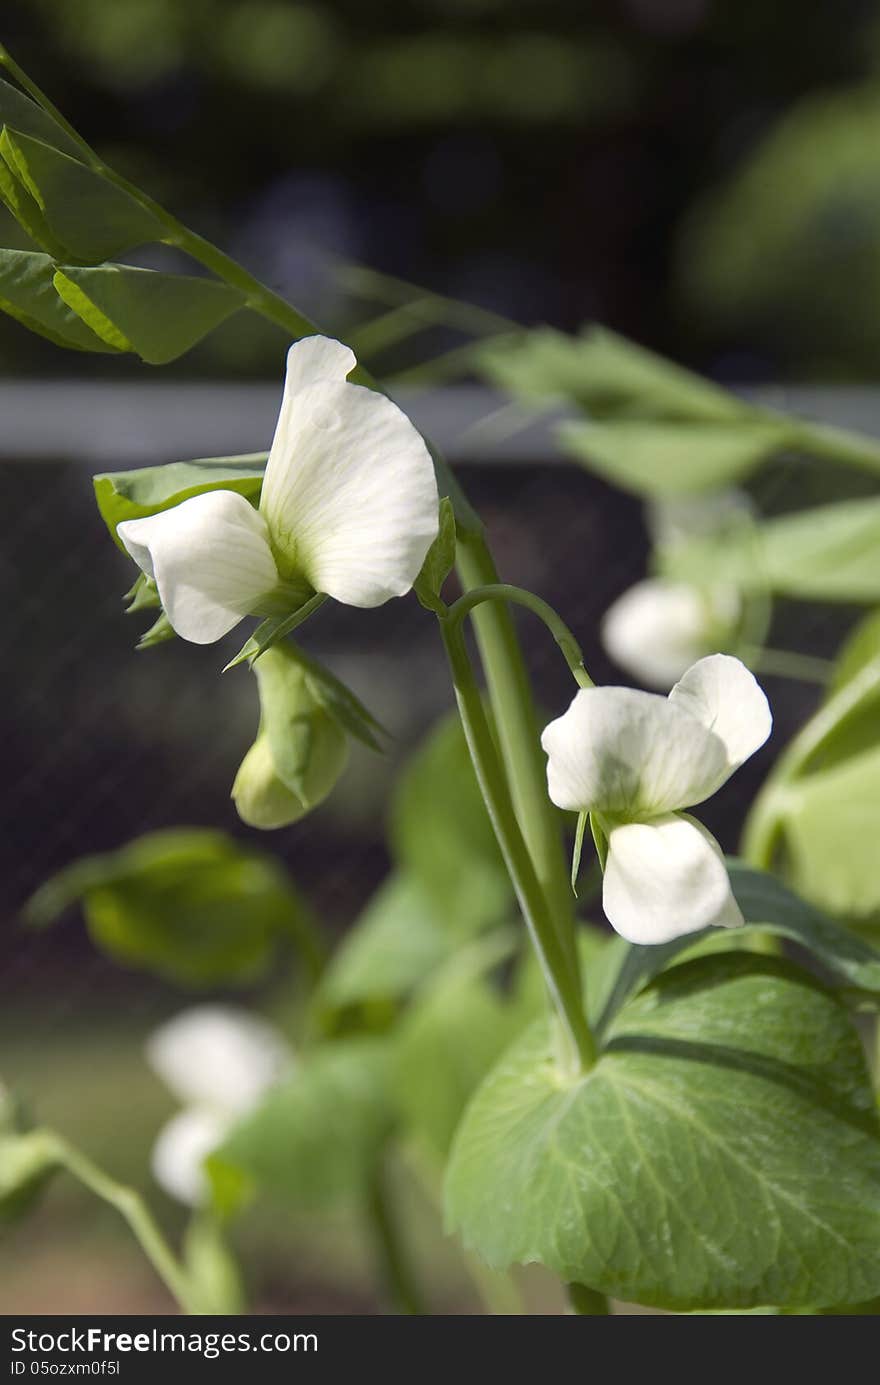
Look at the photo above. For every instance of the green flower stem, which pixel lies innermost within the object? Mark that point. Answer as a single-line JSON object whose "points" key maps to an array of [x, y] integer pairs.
{"points": [[764, 823], [394, 1269], [513, 706], [501, 591], [562, 979], [131, 1206]]}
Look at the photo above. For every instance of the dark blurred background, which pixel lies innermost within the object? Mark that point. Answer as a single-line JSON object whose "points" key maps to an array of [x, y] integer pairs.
{"points": [[702, 177]]}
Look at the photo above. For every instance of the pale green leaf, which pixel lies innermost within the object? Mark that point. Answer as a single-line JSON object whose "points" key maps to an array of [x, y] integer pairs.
{"points": [[122, 495], [27, 294], [440, 560], [722, 1153]]}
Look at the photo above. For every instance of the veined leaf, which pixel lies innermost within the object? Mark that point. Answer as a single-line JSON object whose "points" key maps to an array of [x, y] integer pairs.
{"points": [[722, 1153]]}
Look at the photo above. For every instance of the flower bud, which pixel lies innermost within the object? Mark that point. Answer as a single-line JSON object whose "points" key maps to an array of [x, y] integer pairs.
{"points": [[300, 750]]}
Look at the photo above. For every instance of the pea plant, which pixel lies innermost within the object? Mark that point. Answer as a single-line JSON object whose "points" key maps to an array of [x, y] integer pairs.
{"points": [[678, 1112]]}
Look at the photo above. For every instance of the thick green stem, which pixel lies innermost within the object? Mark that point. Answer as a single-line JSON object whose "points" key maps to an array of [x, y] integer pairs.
{"points": [[561, 978], [133, 1209], [394, 1269], [510, 695]]}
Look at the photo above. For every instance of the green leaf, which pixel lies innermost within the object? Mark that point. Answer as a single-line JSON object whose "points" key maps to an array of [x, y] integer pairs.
{"points": [[85, 218], [395, 944], [190, 905], [27, 1161], [827, 553], [607, 375], [441, 835], [667, 459], [23, 114], [831, 825], [722, 1153], [122, 495], [768, 907], [27, 294], [315, 1139], [439, 562], [157, 316], [861, 649], [445, 1044]]}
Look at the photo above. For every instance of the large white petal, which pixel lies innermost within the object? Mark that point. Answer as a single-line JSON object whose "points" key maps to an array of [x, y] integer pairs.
{"points": [[211, 560], [657, 628], [180, 1152], [721, 693], [218, 1057], [349, 495], [664, 879], [629, 754]]}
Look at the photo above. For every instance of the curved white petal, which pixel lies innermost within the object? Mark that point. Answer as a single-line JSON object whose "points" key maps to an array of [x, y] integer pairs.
{"points": [[721, 693], [349, 495], [656, 630], [628, 753], [313, 359], [218, 1057], [211, 560], [180, 1152], [664, 879]]}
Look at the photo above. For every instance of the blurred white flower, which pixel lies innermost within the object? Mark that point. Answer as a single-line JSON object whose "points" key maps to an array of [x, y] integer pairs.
{"points": [[634, 759], [659, 627], [219, 1062], [349, 507]]}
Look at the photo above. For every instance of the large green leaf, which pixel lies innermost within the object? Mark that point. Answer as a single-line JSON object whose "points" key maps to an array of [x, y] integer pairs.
{"points": [[722, 1153], [667, 459], [768, 907], [157, 316], [316, 1137], [27, 293], [188, 904], [828, 553], [88, 218], [440, 833], [122, 495]]}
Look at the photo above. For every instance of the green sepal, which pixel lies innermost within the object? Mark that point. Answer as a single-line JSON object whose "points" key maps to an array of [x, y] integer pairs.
{"points": [[439, 562]]}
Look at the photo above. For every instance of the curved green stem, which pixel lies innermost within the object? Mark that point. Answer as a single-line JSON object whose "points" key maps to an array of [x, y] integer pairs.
{"points": [[788, 663], [502, 591], [131, 1206], [561, 979]]}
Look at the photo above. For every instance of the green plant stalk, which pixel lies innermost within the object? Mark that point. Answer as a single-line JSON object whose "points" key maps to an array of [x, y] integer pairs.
{"points": [[578, 1052], [513, 706], [394, 1270], [502, 591], [131, 1206]]}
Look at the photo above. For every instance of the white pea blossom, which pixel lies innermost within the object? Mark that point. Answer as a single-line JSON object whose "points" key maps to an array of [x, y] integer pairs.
{"points": [[659, 627], [219, 1062], [634, 760], [349, 507]]}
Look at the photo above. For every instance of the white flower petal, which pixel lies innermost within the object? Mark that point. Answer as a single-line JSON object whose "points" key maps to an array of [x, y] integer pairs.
{"points": [[180, 1152], [349, 495], [664, 879], [721, 693], [656, 630], [218, 1057], [629, 754], [211, 560], [313, 359]]}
